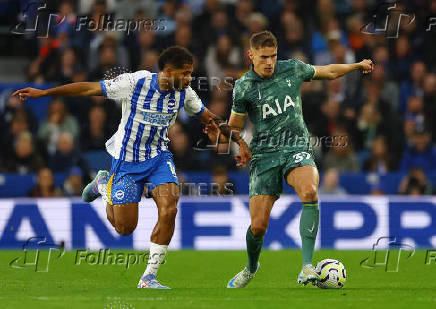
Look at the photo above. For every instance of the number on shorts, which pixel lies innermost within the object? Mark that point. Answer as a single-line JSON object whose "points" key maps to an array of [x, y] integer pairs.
{"points": [[298, 157], [173, 170]]}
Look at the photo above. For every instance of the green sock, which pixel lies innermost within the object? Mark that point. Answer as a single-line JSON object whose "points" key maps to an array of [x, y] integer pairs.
{"points": [[308, 229], [254, 246]]}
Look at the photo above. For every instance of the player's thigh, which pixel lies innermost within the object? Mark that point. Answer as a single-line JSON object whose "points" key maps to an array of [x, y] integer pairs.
{"points": [[265, 177], [125, 217], [124, 194], [166, 196], [305, 181], [110, 213]]}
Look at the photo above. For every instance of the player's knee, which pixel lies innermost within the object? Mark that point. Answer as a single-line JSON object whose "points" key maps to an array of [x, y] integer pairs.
{"points": [[125, 229], [168, 212], [259, 228], [309, 193]]}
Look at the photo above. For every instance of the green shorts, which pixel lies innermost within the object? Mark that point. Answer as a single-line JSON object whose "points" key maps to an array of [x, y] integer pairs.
{"points": [[268, 170]]}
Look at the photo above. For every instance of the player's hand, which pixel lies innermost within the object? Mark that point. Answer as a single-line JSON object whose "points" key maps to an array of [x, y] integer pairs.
{"points": [[25, 93], [367, 66], [244, 155], [212, 131]]}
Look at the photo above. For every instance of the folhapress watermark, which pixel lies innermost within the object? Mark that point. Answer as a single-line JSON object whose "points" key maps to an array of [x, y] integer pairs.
{"points": [[386, 253], [390, 16], [107, 257], [38, 253], [36, 19]]}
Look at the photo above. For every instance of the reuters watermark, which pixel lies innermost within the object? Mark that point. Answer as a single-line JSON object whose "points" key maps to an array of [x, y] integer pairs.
{"points": [[197, 189]]}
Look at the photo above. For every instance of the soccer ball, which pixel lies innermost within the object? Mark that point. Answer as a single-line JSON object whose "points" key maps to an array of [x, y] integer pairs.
{"points": [[332, 274]]}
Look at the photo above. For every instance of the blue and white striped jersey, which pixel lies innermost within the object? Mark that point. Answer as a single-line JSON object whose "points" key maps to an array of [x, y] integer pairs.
{"points": [[147, 113]]}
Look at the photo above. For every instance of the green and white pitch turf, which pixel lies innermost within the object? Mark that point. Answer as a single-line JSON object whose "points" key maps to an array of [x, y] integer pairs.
{"points": [[198, 280]]}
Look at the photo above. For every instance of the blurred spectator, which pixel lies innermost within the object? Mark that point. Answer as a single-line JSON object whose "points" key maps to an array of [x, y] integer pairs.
{"points": [[73, 185], [412, 86], [95, 133], [429, 103], [168, 14], [389, 90], [291, 39], [221, 56], [149, 61], [18, 126], [11, 105], [330, 183], [107, 54], [416, 183], [180, 145], [57, 122], [403, 59], [46, 186], [107, 62], [243, 10], [25, 160], [422, 154], [341, 155], [379, 161], [415, 111], [66, 155]]}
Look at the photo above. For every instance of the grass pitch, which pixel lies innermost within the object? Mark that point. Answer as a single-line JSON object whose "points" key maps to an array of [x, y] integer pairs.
{"points": [[198, 280]]}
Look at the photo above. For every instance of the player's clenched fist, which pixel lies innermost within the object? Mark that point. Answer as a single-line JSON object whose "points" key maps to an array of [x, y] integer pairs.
{"points": [[366, 66], [25, 93]]}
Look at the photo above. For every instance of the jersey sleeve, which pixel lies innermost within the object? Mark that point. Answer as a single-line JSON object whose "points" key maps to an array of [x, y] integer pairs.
{"points": [[307, 71], [193, 105], [120, 87], [239, 105]]}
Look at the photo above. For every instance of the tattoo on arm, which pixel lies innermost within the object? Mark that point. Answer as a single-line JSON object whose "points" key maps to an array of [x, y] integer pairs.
{"points": [[227, 130]]}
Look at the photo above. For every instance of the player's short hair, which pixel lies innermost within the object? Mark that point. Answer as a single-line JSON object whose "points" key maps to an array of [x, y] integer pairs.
{"points": [[175, 56], [263, 39]]}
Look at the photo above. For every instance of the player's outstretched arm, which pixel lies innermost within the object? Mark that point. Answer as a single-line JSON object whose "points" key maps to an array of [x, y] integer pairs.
{"points": [[81, 89], [333, 71], [216, 125]]}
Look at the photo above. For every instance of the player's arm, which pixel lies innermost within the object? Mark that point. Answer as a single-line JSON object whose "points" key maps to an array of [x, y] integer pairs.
{"points": [[70, 90], [333, 71], [230, 130]]}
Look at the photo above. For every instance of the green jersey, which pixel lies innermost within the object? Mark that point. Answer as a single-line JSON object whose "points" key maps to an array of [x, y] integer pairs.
{"points": [[274, 107]]}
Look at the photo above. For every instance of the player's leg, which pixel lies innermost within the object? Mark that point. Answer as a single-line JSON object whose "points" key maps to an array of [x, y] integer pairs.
{"points": [[260, 210], [305, 180], [166, 195], [122, 195], [125, 218], [126, 214], [265, 188]]}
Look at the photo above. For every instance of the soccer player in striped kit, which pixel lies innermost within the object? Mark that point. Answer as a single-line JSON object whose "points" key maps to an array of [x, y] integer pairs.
{"points": [[150, 103]]}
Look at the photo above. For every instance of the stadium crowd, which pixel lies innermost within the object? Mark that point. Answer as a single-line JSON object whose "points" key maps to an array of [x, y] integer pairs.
{"points": [[388, 116]]}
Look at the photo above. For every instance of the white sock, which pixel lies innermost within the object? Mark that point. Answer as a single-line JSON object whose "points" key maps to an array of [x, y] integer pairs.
{"points": [[102, 189], [157, 256]]}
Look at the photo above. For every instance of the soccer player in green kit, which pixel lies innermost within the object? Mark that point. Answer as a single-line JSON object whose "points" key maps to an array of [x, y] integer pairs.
{"points": [[270, 94]]}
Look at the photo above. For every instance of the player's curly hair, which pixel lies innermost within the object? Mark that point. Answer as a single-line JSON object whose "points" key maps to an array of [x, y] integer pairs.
{"points": [[175, 56], [263, 39]]}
